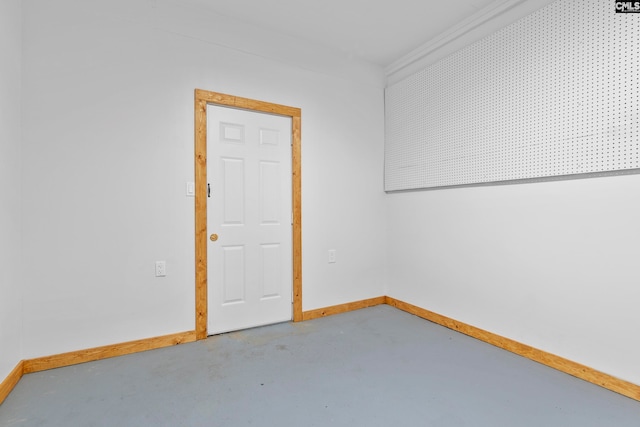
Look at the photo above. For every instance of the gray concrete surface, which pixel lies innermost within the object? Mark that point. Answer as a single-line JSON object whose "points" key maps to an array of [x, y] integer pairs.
{"points": [[372, 367]]}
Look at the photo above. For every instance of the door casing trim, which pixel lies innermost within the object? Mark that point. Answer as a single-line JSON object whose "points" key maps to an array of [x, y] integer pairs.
{"points": [[202, 99]]}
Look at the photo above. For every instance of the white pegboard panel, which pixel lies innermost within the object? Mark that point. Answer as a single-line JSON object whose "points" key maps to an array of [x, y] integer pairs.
{"points": [[556, 94]]}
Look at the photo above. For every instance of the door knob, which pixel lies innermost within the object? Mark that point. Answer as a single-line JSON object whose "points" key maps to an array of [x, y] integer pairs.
{"points": [[213, 237]]}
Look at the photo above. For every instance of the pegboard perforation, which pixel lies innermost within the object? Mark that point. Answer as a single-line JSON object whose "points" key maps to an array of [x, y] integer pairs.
{"points": [[548, 96]]}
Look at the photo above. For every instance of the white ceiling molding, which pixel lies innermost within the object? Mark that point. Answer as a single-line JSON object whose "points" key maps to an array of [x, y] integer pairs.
{"points": [[495, 16], [492, 11]]}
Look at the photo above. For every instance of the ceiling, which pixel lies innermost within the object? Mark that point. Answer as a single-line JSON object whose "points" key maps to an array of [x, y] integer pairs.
{"points": [[375, 31]]}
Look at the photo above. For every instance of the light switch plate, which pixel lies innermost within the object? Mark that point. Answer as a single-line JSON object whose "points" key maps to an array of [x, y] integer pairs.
{"points": [[191, 189]]}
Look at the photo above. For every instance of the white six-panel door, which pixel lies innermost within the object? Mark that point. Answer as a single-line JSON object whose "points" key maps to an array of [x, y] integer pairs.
{"points": [[249, 209]]}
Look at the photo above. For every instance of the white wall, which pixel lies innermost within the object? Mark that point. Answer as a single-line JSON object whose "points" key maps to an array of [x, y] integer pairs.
{"points": [[10, 278], [108, 147], [553, 265]]}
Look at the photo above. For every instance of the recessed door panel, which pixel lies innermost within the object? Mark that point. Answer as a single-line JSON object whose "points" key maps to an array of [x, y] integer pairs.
{"points": [[233, 189], [271, 271], [233, 274], [269, 137], [270, 197], [231, 132]]}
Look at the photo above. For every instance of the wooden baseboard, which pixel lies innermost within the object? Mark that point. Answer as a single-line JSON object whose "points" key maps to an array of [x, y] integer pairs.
{"points": [[342, 308], [10, 382], [561, 364], [609, 382], [105, 352]]}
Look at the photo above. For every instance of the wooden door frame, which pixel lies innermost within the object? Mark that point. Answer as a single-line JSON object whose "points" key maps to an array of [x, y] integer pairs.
{"points": [[202, 98]]}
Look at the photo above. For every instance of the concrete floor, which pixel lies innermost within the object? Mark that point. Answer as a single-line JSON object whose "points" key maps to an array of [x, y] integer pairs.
{"points": [[372, 367]]}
